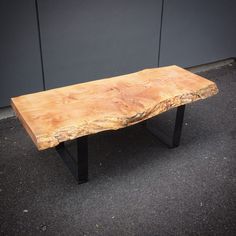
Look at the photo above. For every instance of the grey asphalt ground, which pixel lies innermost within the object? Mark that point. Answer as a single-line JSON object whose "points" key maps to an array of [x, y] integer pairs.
{"points": [[137, 185]]}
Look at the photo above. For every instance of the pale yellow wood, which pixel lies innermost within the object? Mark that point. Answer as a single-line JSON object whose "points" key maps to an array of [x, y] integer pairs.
{"points": [[57, 115]]}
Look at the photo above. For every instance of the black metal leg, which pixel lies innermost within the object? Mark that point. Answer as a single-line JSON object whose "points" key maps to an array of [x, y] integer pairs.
{"points": [[82, 155], [78, 165], [173, 141], [178, 126]]}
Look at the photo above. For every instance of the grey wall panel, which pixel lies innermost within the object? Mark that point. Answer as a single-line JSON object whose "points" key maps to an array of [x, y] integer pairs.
{"points": [[20, 67], [197, 31], [88, 40]]}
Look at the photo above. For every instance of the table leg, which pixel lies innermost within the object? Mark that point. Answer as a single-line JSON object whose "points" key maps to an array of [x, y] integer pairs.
{"points": [[174, 140], [77, 164]]}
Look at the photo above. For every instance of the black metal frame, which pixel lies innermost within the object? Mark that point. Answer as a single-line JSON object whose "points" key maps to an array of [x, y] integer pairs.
{"points": [[79, 165], [173, 141]]}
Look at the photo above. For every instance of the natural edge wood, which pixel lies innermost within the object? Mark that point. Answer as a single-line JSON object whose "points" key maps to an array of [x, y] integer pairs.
{"points": [[144, 107]]}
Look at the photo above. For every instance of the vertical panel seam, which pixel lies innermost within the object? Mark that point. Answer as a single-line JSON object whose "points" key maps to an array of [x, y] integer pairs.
{"points": [[40, 43], [160, 33]]}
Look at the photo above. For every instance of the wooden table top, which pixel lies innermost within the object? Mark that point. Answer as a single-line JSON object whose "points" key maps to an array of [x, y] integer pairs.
{"points": [[61, 114]]}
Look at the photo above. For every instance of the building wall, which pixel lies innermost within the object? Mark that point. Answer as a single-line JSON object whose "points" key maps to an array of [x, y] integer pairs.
{"points": [[20, 66], [197, 32], [88, 40]]}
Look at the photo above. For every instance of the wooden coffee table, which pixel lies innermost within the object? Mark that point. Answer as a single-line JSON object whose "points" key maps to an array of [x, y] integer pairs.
{"points": [[55, 116]]}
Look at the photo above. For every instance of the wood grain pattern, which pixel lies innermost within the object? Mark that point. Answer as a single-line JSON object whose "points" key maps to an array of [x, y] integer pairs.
{"points": [[61, 114]]}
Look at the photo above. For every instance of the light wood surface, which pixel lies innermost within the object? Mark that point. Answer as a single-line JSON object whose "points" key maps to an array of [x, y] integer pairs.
{"points": [[61, 114]]}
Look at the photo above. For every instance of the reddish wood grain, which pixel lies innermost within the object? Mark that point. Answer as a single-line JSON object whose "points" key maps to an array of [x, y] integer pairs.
{"points": [[61, 114]]}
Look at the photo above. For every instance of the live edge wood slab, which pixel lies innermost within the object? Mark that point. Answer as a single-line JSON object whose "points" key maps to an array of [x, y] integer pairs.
{"points": [[66, 113]]}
